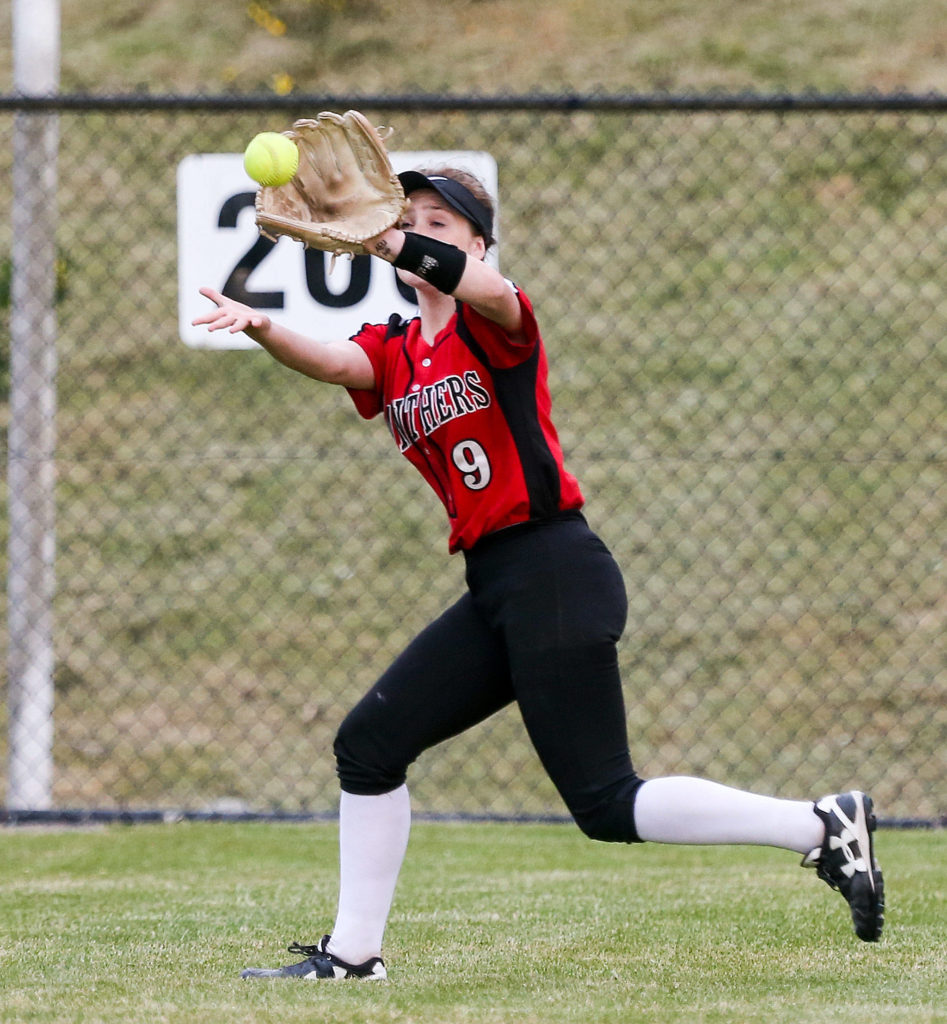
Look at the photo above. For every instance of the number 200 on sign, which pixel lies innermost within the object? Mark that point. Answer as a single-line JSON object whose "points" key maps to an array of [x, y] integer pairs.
{"points": [[220, 246]]}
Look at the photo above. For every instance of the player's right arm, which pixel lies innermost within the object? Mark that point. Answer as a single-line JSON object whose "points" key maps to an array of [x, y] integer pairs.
{"points": [[334, 362]]}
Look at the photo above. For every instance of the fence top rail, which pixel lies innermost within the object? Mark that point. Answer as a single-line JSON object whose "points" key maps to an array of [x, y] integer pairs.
{"points": [[563, 102]]}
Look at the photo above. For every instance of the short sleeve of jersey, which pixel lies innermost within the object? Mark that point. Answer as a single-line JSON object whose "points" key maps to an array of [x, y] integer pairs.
{"points": [[496, 343], [371, 338]]}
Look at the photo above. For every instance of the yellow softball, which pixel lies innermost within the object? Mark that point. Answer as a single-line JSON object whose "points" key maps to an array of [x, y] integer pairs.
{"points": [[271, 158]]}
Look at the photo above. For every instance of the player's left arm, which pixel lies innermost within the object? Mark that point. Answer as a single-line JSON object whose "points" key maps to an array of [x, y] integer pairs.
{"points": [[491, 295], [479, 285]]}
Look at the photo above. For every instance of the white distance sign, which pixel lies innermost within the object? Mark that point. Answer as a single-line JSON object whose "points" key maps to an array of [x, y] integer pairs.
{"points": [[220, 246]]}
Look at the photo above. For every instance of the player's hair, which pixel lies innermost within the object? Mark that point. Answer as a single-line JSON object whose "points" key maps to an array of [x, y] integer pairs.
{"points": [[473, 185]]}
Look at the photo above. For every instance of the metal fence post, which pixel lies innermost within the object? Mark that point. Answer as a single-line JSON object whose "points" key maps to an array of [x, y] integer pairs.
{"points": [[30, 463]]}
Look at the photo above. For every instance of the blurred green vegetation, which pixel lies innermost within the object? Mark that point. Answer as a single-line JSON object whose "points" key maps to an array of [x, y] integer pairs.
{"points": [[375, 46], [745, 318]]}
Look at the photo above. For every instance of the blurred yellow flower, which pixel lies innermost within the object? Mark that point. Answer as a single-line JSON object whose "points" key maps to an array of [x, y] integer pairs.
{"points": [[266, 19]]}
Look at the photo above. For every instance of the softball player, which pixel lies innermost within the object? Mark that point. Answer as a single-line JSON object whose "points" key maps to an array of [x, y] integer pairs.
{"points": [[463, 389]]}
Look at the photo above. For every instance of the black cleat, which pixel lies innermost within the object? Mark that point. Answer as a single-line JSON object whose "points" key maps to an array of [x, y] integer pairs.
{"points": [[321, 965], [846, 859]]}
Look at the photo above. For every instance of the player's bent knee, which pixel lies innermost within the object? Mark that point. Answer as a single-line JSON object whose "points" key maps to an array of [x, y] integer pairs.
{"points": [[363, 766], [612, 819], [607, 829]]}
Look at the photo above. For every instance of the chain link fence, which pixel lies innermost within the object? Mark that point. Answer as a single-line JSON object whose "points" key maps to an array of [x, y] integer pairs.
{"points": [[746, 319]]}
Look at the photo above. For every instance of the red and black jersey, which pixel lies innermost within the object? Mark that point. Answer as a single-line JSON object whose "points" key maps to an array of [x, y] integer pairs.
{"points": [[472, 413]]}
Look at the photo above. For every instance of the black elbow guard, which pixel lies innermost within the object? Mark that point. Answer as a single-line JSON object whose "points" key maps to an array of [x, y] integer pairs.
{"points": [[438, 263]]}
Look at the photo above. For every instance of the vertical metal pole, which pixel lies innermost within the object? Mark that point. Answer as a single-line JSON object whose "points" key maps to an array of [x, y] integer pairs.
{"points": [[32, 433]]}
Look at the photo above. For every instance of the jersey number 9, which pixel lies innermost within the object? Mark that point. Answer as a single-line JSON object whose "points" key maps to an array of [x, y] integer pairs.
{"points": [[470, 458]]}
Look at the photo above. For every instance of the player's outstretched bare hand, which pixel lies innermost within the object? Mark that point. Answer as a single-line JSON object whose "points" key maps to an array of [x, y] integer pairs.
{"points": [[230, 315]]}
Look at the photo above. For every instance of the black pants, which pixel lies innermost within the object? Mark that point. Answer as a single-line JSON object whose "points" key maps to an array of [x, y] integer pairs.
{"points": [[539, 624]]}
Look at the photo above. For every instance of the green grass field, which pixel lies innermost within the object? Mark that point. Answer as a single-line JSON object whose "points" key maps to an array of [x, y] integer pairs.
{"points": [[493, 924]]}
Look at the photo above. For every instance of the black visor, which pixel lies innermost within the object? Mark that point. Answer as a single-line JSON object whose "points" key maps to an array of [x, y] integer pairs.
{"points": [[455, 195]]}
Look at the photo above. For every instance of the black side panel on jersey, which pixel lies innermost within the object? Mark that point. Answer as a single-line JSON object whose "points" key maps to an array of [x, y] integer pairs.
{"points": [[515, 388]]}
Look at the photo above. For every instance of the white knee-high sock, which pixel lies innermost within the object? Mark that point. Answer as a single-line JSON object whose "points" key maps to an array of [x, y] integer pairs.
{"points": [[373, 838], [694, 811]]}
